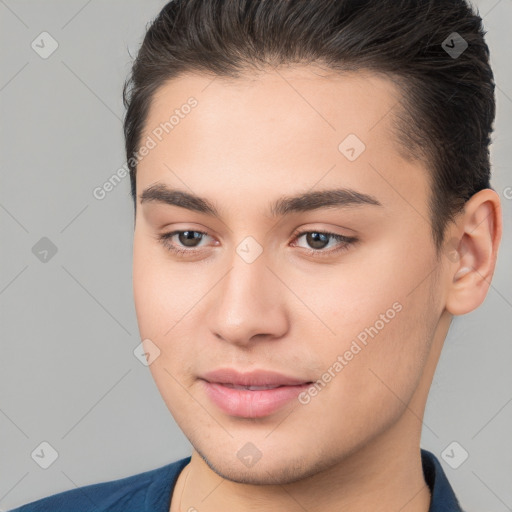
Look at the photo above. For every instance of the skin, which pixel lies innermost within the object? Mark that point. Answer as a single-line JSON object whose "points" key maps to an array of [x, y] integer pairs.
{"points": [[354, 446]]}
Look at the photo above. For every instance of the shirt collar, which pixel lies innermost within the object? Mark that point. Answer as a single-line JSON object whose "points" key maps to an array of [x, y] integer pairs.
{"points": [[442, 498]]}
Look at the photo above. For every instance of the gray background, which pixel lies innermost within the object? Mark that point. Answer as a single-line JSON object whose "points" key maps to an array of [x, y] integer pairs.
{"points": [[68, 374]]}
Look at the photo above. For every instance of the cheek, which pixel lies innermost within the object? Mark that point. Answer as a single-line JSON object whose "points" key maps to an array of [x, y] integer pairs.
{"points": [[162, 291], [165, 296], [146, 291], [365, 385], [383, 322], [351, 294]]}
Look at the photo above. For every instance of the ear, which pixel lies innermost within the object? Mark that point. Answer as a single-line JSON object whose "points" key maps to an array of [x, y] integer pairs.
{"points": [[474, 247]]}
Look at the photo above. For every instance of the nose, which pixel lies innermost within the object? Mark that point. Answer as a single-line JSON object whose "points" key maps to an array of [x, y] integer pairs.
{"points": [[249, 303]]}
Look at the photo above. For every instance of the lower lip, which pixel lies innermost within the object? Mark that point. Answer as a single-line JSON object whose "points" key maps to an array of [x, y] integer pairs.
{"points": [[251, 404]]}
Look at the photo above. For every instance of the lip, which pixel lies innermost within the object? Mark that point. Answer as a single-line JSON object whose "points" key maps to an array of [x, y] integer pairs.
{"points": [[254, 378], [251, 403]]}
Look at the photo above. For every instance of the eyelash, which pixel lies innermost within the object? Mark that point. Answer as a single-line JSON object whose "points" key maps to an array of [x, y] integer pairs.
{"points": [[345, 241]]}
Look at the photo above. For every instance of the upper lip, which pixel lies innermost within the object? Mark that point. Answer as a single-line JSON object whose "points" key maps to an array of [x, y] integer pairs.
{"points": [[253, 378]]}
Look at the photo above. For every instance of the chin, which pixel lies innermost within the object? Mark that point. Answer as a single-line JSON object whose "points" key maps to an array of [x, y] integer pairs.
{"points": [[275, 471]]}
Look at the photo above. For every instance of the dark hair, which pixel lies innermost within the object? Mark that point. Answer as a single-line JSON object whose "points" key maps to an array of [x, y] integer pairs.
{"points": [[447, 106]]}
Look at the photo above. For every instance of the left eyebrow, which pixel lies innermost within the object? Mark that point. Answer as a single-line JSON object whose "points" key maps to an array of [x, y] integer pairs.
{"points": [[307, 201], [334, 198]]}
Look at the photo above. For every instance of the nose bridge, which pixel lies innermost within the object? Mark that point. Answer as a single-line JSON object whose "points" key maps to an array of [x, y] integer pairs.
{"points": [[249, 300]]}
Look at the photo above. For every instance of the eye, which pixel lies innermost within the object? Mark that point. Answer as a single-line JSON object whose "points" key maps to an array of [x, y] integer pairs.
{"points": [[320, 239], [188, 238], [188, 241]]}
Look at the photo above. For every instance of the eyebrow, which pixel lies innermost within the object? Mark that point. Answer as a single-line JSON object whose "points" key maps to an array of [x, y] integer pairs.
{"points": [[307, 201]]}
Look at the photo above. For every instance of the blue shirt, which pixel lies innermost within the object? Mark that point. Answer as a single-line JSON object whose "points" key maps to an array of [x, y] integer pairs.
{"points": [[151, 492]]}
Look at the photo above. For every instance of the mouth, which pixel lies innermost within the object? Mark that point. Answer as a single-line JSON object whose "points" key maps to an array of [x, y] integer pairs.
{"points": [[257, 378], [251, 395], [250, 388]]}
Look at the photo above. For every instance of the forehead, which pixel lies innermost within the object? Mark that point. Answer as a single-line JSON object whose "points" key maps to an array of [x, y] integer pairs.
{"points": [[325, 100], [264, 128]]}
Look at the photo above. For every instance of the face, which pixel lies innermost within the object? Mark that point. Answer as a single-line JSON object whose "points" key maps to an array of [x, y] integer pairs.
{"points": [[336, 290]]}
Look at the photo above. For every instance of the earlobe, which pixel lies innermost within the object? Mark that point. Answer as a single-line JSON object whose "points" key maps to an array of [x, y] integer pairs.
{"points": [[479, 230]]}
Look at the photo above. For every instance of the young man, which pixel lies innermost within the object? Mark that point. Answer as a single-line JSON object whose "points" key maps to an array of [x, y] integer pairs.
{"points": [[312, 208]]}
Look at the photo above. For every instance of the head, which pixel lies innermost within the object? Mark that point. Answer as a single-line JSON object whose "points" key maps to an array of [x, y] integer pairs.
{"points": [[253, 127]]}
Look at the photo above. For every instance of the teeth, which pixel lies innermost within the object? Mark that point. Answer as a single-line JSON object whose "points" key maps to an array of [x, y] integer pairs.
{"points": [[250, 388]]}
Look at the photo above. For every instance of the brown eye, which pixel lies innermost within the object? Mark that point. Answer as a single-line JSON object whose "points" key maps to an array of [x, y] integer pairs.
{"points": [[317, 241], [186, 238]]}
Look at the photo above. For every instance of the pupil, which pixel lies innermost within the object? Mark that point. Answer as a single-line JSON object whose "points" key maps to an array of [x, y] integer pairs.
{"points": [[185, 237], [313, 240]]}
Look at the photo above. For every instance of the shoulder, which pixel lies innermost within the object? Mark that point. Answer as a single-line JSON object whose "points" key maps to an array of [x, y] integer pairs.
{"points": [[151, 488]]}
